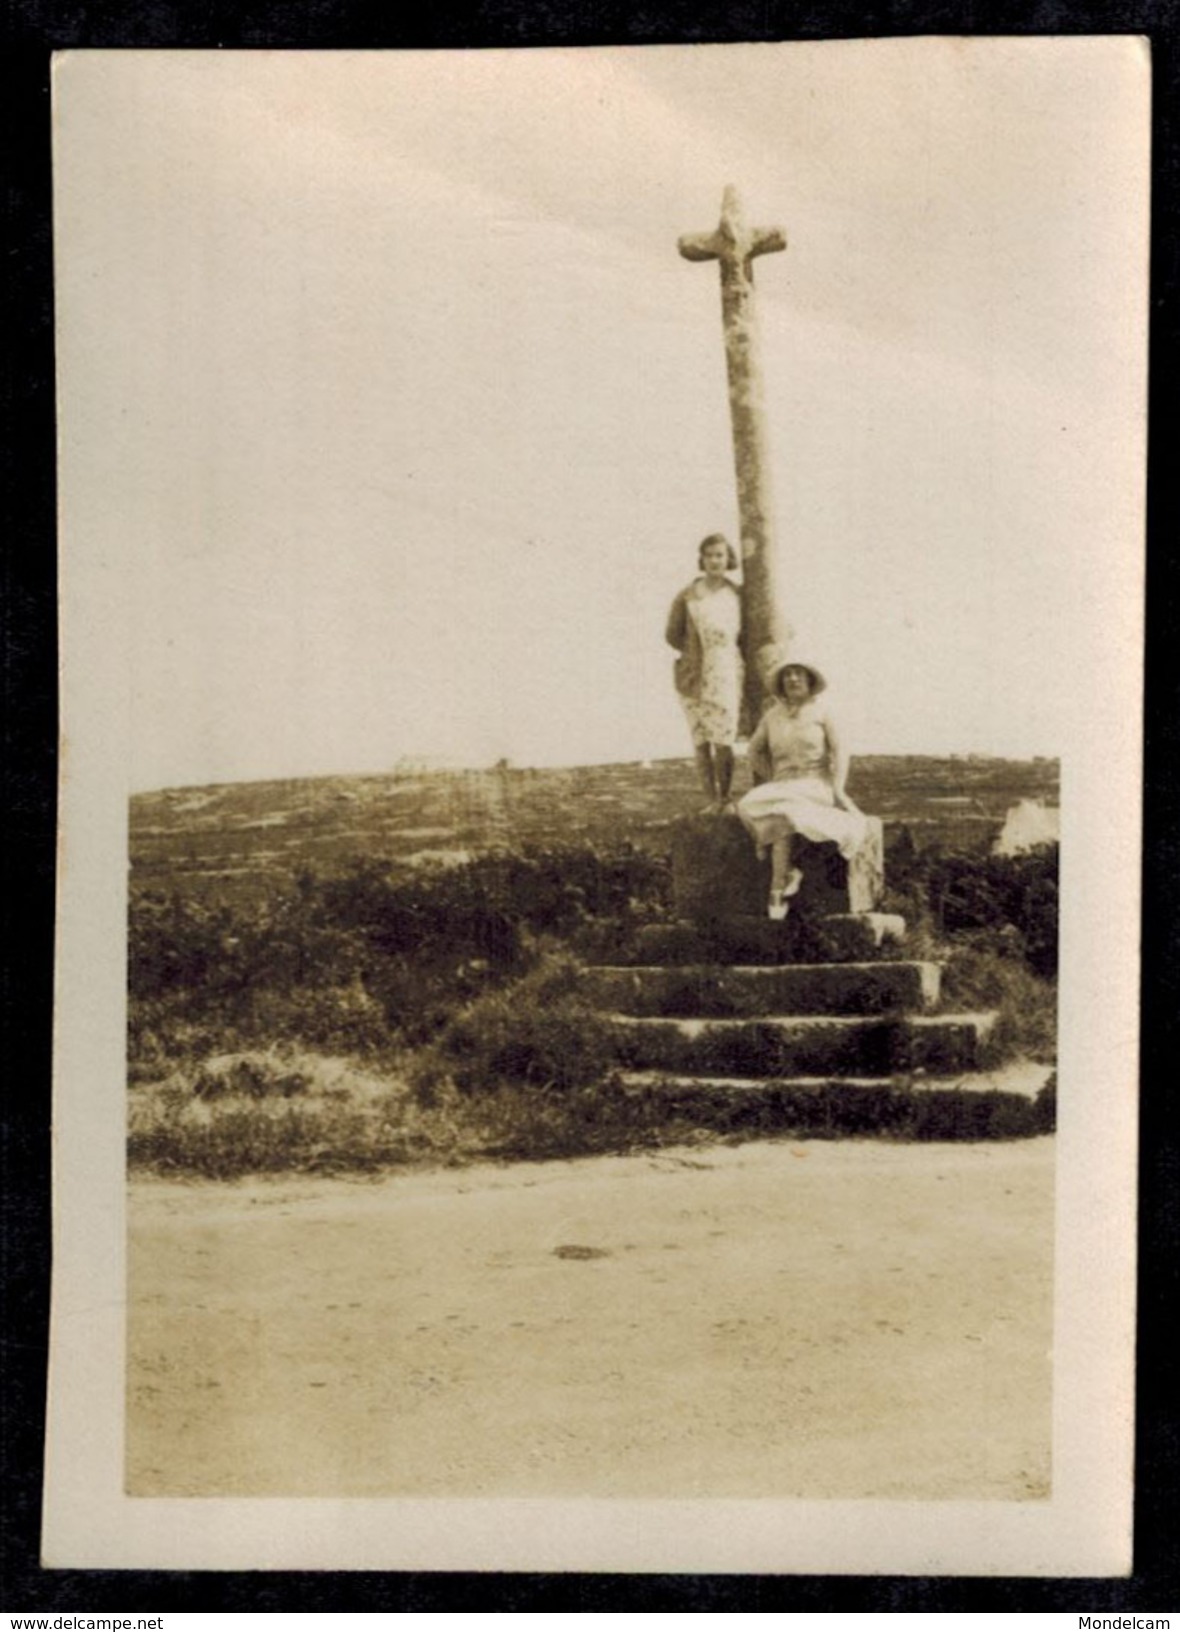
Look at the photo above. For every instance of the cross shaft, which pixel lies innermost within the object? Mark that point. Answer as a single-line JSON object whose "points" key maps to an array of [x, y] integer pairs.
{"points": [[733, 246]]}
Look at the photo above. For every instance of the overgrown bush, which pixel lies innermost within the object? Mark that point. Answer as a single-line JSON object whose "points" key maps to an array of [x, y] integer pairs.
{"points": [[213, 949], [541, 1033], [362, 958], [977, 977], [461, 990], [1013, 897], [480, 910]]}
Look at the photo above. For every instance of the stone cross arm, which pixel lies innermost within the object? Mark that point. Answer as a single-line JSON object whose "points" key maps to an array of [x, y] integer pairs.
{"points": [[732, 242]]}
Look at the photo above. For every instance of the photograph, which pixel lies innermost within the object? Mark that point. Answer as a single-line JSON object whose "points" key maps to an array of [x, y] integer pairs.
{"points": [[601, 624]]}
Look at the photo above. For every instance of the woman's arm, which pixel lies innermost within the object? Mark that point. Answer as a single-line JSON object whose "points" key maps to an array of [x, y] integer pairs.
{"points": [[758, 754], [837, 765], [676, 633]]}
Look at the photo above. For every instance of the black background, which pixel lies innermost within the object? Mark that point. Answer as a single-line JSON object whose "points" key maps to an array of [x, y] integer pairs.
{"points": [[32, 29]]}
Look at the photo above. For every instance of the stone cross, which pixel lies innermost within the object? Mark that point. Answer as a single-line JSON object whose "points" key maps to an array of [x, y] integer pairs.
{"points": [[734, 245]]}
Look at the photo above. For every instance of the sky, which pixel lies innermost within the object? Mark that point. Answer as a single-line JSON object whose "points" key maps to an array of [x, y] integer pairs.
{"points": [[390, 417]]}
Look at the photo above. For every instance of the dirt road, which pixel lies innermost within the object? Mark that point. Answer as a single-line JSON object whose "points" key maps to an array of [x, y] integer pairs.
{"points": [[817, 1320]]}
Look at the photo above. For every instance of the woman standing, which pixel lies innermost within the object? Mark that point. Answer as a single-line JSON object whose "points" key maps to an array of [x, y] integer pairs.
{"points": [[799, 769], [705, 627]]}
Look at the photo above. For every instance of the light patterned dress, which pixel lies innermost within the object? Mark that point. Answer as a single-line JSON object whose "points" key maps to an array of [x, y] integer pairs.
{"points": [[713, 709], [800, 798]]}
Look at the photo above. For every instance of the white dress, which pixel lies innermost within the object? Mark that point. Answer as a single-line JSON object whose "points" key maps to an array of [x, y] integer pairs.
{"points": [[800, 798], [712, 711]]}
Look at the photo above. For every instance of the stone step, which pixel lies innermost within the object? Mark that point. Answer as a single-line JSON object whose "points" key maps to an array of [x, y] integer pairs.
{"points": [[838, 938], [806, 1045], [739, 991], [1010, 1103], [1022, 1080]]}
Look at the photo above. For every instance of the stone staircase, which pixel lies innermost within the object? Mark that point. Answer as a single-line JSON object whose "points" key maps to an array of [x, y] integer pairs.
{"points": [[815, 1023]]}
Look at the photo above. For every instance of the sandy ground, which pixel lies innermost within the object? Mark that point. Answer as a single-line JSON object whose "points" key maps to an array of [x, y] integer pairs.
{"points": [[815, 1319]]}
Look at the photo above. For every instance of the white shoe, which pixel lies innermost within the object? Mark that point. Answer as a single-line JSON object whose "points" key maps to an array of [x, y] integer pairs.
{"points": [[778, 908], [792, 885]]}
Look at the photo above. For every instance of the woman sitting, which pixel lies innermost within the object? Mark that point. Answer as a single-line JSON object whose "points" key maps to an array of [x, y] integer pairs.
{"points": [[705, 627], [799, 771]]}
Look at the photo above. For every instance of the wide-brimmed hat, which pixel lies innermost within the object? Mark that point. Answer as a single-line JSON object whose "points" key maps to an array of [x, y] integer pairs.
{"points": [[818, 683]]}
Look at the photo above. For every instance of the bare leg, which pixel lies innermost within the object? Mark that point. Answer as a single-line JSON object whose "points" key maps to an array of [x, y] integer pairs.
{"points": [[780, 863], [723, 760], [704, 755], [784, 879]]}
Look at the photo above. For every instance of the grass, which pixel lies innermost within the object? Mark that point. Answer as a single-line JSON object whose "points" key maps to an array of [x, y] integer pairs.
{"points": [[294, 1112], [283, 1111], [443, 1017], [234, 840], [338, 1120], [977, 978], [532, 1072]]}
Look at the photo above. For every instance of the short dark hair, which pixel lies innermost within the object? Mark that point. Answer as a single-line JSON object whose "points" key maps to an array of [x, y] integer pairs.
{"points": [[731, 560]]}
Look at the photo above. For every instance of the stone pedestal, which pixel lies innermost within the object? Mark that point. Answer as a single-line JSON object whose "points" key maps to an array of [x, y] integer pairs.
{"points": [[717, 875]]}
